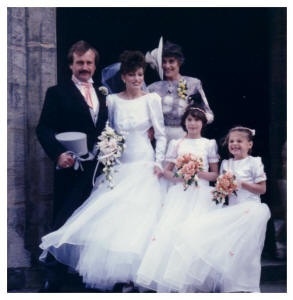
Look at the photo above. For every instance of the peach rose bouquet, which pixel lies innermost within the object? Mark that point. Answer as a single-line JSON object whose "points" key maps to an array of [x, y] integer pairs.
{"points": [[226, 185], [188, 166]]}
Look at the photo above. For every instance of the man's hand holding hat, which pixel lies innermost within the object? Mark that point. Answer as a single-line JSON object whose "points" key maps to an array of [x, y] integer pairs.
{"points": [[65, 160]]}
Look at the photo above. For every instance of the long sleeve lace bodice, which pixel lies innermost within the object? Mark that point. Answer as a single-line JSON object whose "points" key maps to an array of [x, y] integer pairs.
{"points": [[135, 117]]}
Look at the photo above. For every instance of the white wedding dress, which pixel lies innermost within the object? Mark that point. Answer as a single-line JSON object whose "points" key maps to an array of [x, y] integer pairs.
{"points": [[105, 238]]}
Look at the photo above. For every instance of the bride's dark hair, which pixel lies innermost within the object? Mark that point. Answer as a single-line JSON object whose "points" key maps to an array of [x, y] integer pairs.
{"points": [[131, 61]]}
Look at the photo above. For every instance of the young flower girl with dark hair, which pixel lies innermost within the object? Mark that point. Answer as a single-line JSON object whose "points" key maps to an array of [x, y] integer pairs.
{"points": [[192, 162]]}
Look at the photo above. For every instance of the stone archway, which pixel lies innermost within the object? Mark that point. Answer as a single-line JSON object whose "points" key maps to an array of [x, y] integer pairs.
{"points": [[32, 68]]}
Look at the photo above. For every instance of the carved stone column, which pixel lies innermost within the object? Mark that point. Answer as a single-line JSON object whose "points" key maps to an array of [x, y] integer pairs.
{"points": [[31, 70]]}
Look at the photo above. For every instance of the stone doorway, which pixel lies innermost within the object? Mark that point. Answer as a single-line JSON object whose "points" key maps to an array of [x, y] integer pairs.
{"points": [[238, 53]]}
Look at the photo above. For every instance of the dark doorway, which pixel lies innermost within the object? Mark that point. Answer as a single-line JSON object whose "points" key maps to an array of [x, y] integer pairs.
{"points": [[229, 49]]}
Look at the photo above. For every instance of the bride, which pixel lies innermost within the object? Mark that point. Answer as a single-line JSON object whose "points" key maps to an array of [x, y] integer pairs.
{"points": [[105, 238]]}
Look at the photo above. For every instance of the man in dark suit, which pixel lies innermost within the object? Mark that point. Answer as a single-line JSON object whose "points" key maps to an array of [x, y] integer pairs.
{"points": [[76, 105]]}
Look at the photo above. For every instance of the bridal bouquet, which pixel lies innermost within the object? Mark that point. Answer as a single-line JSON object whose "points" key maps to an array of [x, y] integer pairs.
{"points": [[188, 166], [225, 186], [111, 147]]}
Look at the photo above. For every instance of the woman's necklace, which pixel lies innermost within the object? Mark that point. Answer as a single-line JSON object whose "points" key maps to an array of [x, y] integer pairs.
{"points": [[170, 87]]}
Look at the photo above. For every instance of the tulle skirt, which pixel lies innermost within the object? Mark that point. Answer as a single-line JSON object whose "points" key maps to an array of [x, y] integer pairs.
{"points": [[106, 238], [219, 252], [178, 205]]}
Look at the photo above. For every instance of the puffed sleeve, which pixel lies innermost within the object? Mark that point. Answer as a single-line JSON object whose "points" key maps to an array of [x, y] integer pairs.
{"points": [[224, 166], [157, 119], [110, 105], [171, 153], [258, 172], [213, 156], [209, 113]]}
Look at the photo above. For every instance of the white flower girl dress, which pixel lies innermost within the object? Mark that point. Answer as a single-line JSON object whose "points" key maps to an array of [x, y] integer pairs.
{"points": [[222, 251], [178, 205]]}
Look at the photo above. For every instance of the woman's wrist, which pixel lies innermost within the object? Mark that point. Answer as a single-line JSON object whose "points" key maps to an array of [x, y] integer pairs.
{"points": [[239, 183], [200, 174]]}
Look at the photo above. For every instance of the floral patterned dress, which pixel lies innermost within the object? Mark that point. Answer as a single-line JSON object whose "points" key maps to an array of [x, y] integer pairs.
{"points": [[174, 105]]}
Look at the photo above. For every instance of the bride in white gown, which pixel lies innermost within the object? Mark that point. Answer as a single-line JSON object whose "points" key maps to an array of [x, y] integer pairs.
{"points": [[105, 238]]}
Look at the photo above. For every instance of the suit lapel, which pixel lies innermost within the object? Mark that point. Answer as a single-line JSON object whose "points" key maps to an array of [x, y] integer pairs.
{"points": [[102, 108], [79, 102]]}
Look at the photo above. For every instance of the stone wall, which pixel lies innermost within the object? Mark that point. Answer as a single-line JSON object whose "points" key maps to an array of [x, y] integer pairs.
{"points": [[31, 70]]}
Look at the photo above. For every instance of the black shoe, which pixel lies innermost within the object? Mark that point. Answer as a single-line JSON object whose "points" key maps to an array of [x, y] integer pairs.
{"points": [[50, 287], [129, 288], [117, 287], [91, 290]]}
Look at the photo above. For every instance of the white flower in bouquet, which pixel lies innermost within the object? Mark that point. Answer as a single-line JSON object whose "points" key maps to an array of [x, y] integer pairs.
{"points": [[111, 147], [226, 185]]}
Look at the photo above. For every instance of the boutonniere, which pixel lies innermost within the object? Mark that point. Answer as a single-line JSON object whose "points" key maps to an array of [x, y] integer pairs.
{"points": [[104, 91], [182, 89]]}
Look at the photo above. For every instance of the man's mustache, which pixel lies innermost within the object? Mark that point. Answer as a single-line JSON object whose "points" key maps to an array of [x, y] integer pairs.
{"points": [[84, 72]]}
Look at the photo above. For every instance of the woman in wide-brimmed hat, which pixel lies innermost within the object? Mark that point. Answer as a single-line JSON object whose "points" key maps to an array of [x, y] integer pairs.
{"points": [[174, 88]]}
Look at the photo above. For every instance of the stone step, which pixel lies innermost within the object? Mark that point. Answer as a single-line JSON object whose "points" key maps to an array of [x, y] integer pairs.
{"points": [[266, 287], [273, 287], [273, 270], [273, 279]]}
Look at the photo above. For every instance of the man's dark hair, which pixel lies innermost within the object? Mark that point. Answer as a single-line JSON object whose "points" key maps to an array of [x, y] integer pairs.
{"points": [[80, 48]]}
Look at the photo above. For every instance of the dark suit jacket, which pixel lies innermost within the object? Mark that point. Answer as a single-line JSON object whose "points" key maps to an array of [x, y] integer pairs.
{"points": [[66, 110]]}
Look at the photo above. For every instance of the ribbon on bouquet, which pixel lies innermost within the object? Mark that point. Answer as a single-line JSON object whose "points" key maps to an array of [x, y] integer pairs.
{"points": [[100, 158]]}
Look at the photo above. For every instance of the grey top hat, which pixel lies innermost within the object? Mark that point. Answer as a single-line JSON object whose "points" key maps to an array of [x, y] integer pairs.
{"points": [[74, 141]]}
